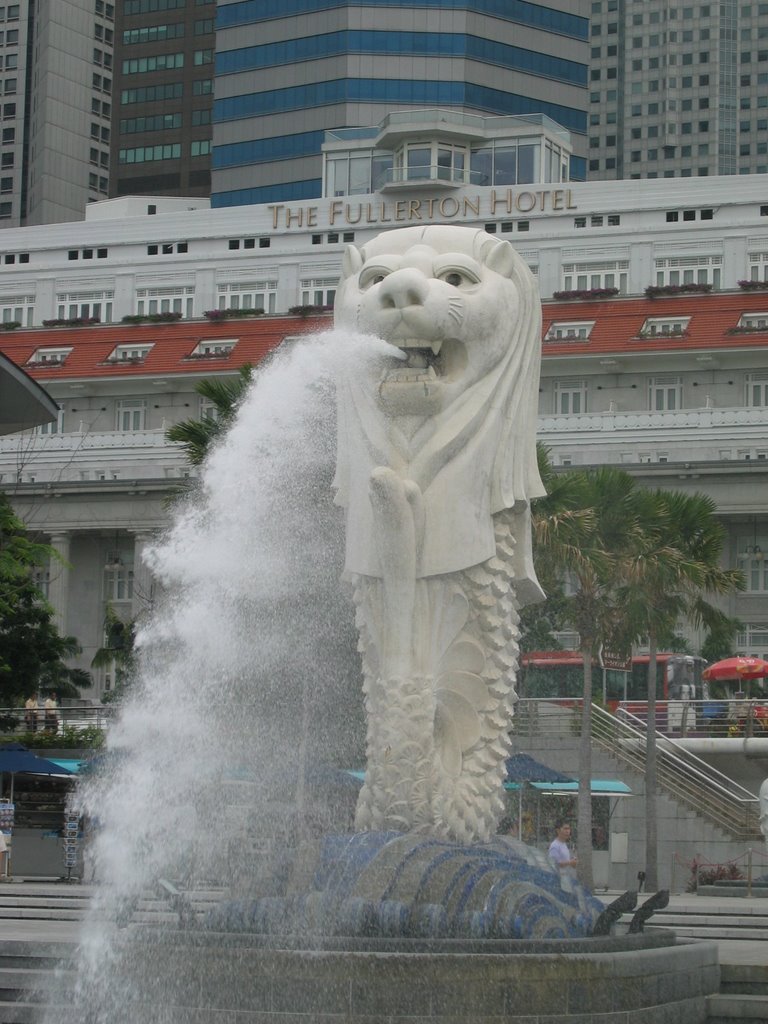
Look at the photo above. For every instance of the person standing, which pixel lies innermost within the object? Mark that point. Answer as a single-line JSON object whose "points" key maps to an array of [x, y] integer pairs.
{"points": [[51, 715], [30, 714], [560, 854]]}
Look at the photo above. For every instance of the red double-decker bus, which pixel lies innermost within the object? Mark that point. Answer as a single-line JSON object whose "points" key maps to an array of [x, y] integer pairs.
{"points": [[560, 674]]}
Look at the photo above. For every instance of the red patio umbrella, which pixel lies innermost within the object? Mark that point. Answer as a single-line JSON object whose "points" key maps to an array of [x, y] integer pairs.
{"points": [[739, 668]]}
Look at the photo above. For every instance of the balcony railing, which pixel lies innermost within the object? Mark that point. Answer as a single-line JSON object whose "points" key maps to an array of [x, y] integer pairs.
{"points": [[431, 174]]}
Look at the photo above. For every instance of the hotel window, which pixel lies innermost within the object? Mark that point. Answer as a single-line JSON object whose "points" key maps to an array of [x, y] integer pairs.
{"points": [[248, 295], [689, 270], [319, 291], [751, 553], [118, 579], [54, 427], [756, 389], [758, 265], [664, 327], [214, 347], [17, 308], [752, 641], [50, 356], [96, 305], [165, 300], [131, 414], [129, 353], [570, 397], [561, 330], [583, 276], [665, 394]]}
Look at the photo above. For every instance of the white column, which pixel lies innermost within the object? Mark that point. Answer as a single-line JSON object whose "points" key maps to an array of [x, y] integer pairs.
{"points": [[58, 587], [143, 581]]}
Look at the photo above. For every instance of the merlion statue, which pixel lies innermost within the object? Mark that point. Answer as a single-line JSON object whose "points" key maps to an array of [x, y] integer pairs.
{"points": [[436, 467]]}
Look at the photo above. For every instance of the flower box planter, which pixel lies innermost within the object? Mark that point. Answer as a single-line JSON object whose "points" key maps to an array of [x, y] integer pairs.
{"points": [[309, 310], [10, 325], [753, 286], [655, 291], [151, 318], [75, 321], [747, 330], [586, 293], [231, 314], [208, 355]]}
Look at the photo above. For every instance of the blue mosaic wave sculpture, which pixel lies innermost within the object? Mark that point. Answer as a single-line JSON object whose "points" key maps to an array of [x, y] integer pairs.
{"points": [[390, 885]]}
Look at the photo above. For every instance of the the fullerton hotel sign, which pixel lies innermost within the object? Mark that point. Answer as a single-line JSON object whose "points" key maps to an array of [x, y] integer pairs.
{"points": [[494, 203]]}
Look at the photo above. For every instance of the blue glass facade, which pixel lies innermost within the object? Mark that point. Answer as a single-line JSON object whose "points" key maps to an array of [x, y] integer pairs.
{"points": [[289, 191], [282, 147], [534, 15], [319, 70], [393, 91], [422, 44]]}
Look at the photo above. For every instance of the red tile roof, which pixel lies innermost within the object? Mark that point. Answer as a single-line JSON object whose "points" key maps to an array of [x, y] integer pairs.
{"points": [[618, 323], [172, 344]]}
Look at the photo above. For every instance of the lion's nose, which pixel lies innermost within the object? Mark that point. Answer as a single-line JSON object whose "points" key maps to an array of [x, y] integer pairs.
{"points": [[406, 287]]}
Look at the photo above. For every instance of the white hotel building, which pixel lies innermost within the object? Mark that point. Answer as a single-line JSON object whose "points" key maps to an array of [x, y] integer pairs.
{"points": [[672, 388]]}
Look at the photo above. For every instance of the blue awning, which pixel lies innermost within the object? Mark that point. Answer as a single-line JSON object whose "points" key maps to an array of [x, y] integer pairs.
{"points": [[69, 764], [599, 787]]}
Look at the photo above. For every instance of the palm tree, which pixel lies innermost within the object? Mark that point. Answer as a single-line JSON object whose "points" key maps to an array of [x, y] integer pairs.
{"points": [[197, 436], [582, 527], [673, 563]]}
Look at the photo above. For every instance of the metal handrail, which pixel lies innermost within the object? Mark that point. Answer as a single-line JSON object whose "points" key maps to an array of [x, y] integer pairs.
{"points": [[705, 772], [680, 773], [14, 721]]}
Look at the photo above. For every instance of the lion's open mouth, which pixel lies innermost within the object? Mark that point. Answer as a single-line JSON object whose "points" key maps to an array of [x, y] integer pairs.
{"points": [[422, 361]]}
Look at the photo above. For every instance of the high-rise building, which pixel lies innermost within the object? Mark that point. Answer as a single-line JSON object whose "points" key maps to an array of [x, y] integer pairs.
{"points": [[678, 89], [288, 70], [163, 96], [55, 101]]}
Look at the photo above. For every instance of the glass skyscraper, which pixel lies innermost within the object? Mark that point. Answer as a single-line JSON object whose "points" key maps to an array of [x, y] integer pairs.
{"points": [[288, 70]]}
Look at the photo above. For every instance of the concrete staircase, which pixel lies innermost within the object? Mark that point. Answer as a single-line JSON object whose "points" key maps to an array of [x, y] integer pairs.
{"points": [[743, 995]]}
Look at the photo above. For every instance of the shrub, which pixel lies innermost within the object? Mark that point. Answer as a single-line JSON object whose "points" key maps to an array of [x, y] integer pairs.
{"points": [[308, 310], [587, 293], [752, 286], [10, 325], [712, 874], [151, 318], [655, 290], [70, 738], [231, 314], [74, 321]]}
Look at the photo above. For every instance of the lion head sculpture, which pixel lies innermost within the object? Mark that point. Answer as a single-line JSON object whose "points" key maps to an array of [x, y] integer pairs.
{"points": [[454, 410]]}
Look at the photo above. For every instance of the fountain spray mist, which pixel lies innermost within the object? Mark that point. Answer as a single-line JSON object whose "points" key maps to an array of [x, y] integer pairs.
{"points": [[248, 685]]}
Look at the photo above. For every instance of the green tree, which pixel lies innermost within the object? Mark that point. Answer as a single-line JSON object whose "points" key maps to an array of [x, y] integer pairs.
{"points": [[33, 653], [581, 529], [197, 436], [720, 641], [118, 651], [670, 568]]}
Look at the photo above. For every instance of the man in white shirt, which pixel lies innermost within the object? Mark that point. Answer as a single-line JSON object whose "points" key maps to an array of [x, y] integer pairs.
{"points": [[559, 852]]}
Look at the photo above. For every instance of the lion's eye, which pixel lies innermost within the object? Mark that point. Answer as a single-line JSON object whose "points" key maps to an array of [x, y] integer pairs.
{"points": [[457, 277], [373, 276]]}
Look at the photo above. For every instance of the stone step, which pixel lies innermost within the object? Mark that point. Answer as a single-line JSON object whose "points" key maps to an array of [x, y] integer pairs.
{"points": [[713, 932], [725, 1009], [42, 913], [748, 979]]}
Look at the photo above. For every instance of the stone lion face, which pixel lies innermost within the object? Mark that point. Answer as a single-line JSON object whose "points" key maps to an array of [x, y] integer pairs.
{"points": [[445, 296]]}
